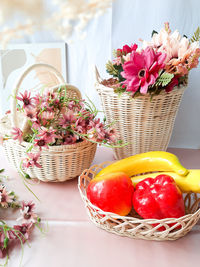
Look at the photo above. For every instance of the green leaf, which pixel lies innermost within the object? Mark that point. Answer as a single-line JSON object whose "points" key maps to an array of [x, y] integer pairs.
{"points": [[29, 149], [196, 36], [2, 170], [5, 242], [153, 33], [111, 69], [119, 90], [164, 79], [30, 123], [27, 176]]}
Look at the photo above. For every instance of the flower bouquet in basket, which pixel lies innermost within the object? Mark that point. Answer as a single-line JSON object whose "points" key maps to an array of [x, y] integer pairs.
{"points": [[55, 134], [150, 80], [55, 120]]}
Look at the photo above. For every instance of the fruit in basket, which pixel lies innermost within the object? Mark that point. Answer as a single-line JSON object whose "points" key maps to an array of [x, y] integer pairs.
{"points": [[158, 198], [112, 192], [146, 162], [189, 183]]}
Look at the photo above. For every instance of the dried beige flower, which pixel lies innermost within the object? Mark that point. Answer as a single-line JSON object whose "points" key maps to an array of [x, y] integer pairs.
{"points": [[69, 16]]}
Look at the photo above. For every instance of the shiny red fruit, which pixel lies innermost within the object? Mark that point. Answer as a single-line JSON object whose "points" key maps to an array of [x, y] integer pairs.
{"points": [[112, 192], [158, 198]]}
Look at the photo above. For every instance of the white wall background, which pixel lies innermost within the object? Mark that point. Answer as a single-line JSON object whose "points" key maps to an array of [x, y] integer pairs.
{"points": [[126, 22]]}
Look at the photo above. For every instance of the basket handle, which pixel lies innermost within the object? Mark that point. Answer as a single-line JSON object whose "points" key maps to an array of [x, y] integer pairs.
{"points": [[14, 120], [97, 75]]}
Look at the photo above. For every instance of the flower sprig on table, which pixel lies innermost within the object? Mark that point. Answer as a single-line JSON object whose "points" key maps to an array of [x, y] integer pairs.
{"points": [[160, 64], [24, 225], [55, 119]]}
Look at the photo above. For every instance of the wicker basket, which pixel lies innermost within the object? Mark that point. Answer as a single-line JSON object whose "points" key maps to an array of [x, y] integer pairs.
{"points": [[146, 125], [59, 163], [133, 225]]}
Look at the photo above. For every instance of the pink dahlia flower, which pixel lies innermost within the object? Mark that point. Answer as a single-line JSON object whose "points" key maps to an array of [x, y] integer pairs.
{"points": [[17, 134], [67, 119], [27, 213], [32, 160], [24, 231], [5, 198], [48, 134], [26, 99], [142, 70]]}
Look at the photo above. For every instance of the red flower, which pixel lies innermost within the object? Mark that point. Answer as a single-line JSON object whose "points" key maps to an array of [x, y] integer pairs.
{"points": [[126, 49], [171, 85]]}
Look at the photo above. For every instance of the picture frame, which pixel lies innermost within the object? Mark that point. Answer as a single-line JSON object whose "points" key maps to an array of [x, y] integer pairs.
{"points": [[17, 57]]}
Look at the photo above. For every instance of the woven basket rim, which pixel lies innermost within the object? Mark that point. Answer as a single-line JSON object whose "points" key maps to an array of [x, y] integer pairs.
{"points": [[133, 219], [59, 148], [110, 90], [138, 220]]}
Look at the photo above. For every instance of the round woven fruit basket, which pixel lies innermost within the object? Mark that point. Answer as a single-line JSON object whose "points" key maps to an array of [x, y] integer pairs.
{"points": [[59, 163], [133, 225], [145, 124]]}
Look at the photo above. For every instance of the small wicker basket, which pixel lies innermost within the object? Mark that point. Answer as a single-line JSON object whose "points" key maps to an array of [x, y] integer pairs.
{"points": [[133, 225], [146, 125], [59, 163]]}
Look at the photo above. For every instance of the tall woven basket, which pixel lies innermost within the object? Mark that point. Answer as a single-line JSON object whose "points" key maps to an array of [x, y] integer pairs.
{"points": [[146, 125], [59, 163]]}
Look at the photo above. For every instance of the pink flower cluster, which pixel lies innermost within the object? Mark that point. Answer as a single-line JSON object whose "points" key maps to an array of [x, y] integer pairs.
{"points": [[56, 119], [19, 232], [142, 69], [181, 54], [139, 69]]}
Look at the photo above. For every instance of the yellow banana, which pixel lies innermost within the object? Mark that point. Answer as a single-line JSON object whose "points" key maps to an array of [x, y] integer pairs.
{"points": [[146, 162], [188, 183]]}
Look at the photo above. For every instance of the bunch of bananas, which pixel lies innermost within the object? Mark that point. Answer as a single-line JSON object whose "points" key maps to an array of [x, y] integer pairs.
{"points": [[154, 163]]}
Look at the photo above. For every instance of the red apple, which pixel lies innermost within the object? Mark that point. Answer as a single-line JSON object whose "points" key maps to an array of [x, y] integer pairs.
{"points": [[112, 192]]}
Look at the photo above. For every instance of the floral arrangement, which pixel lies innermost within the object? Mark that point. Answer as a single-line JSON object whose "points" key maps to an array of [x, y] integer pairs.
{"points": [[24, 225], [55, 119], [159, 64]]}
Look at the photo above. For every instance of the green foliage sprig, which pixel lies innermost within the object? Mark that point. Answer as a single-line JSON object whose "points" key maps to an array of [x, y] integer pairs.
{"points": [[114, 70], [164, 79], [196, 36]]}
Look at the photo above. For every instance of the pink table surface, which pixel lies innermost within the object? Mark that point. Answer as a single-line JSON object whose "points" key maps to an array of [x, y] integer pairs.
{"points": [[73, 241]]}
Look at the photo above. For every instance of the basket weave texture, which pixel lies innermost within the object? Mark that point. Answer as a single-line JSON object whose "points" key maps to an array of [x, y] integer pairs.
{"points": [[146, 125], [59, 163], [133, 225]]}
